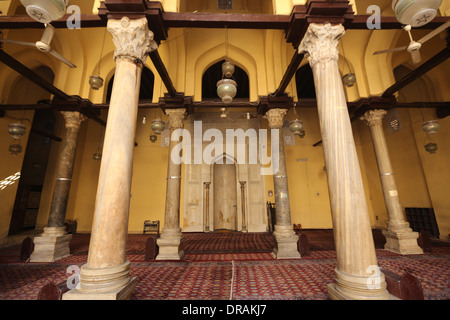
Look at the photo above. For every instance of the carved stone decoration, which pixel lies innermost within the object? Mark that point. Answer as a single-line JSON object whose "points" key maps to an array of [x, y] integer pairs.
{"points": [[131, 38], [73, 119], [374, 117], [275, 117], [320, 42], [176, 118]]}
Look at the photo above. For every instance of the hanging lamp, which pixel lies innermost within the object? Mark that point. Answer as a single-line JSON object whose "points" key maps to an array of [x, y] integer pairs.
{"points": [[226, 88], [430, 127], [17, 130], [95, 81], [296, 126]]}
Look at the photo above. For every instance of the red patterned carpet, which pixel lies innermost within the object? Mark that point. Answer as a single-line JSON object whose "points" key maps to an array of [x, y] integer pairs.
{"points": [[223, 266]]}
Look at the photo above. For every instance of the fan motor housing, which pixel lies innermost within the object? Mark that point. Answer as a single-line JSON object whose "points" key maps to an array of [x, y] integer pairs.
{"points": [[45, 11], [415, 12]]}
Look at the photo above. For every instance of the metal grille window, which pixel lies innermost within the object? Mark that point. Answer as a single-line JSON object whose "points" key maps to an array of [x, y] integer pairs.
{"points": [[224, 4]]}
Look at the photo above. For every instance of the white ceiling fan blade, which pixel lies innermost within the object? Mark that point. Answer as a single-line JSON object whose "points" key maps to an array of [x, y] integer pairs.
{"points": [[390, 50], [24, 43], [47, 36], [434, 32], [60, 57], [416, 57]]}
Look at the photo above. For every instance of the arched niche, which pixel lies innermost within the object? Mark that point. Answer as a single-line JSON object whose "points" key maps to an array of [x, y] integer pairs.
{"points": [[146, 87], [214, 74], [304, 81], [224, 179]]}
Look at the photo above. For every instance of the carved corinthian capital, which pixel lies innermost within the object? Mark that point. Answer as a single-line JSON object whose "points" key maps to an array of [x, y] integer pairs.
{"points": [[131, 38], [176, 117], [373, 117], [73, 118], [320, 42], [275, 117]]}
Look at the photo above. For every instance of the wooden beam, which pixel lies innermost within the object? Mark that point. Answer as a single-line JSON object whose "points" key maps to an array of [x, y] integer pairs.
{"points": [[417, 73], [359, 22], [290, 71], [31, 75], [162, 71], [229, 20]]}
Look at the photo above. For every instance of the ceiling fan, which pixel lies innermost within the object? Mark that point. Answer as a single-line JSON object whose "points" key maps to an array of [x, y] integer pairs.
{"points": [[44, 12], [414, 46]]}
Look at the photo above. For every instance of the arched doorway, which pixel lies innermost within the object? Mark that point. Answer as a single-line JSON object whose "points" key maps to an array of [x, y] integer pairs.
{"points": [[225, 195]]}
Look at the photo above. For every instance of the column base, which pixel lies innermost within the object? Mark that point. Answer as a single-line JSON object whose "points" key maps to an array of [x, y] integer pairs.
{"points": [[170, 245], [351, 287], [402, 240], [111, 283], [286, 243], [123, 293], [51, 245]]}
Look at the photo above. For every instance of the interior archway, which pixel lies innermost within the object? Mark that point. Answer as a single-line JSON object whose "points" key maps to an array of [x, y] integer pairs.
{"points": [[146, 88]]}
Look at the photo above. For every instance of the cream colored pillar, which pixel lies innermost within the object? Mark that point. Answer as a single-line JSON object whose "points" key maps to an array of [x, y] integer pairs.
{"points": [[53, 243], [286, 239], [399, 236], [171, 237], [106, 275], [357, 274]]}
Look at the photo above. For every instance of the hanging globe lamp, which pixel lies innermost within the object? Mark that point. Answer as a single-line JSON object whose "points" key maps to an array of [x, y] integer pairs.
{"points": [[17, 130]]}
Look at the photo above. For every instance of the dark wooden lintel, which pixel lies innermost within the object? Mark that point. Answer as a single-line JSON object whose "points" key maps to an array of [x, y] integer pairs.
{"points": [[290, 71], [418, 72], [175, 102]]}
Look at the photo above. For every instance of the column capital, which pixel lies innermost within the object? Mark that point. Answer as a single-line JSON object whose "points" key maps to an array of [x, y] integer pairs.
{"points": [[131, 38], [373, 117], [275, 117], [176, 117], [73, 119], [320, 42]]}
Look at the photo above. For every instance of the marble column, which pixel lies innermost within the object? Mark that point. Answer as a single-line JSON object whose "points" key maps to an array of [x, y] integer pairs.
{"points": [[286, 239], [106, 275], [53, 243], [244, 225], [207, 186], [171, 237], [357, 275], [399, 236]]}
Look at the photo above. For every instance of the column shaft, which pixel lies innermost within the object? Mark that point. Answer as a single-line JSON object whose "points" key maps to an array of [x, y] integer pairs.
{"points": [[106, 275], [170, 241], [399, 236], [53, 243], [285, 237], [357, 272], [65, 169]]}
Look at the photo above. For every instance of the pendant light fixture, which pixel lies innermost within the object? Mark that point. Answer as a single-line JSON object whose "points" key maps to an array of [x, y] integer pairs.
{"points": [[97, 156], [95, 81], [349, 78], [430, 128], [296, 126], [17, 130], [226, 88]]}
